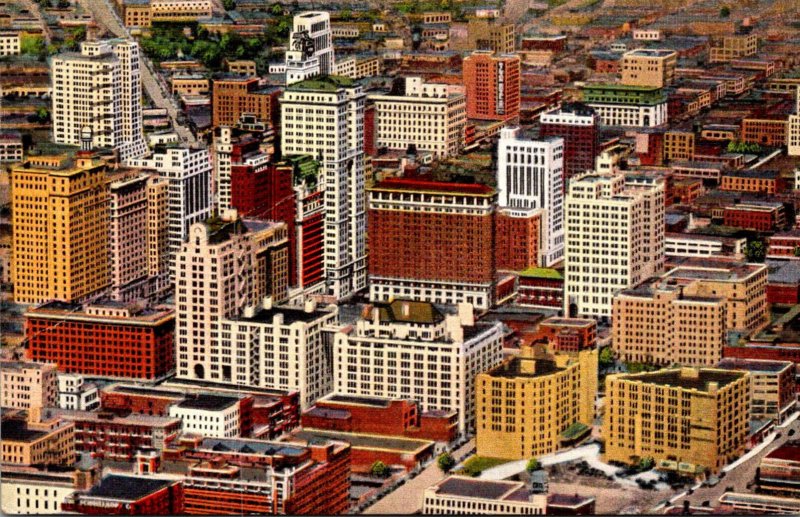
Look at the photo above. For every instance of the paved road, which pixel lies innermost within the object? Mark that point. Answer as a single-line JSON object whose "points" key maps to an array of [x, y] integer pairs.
{"points": [[105, 16], [741, 475], [408, 498]]}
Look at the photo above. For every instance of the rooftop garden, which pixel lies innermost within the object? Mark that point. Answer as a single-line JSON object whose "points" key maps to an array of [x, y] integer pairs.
{"points": [[477, 464]]}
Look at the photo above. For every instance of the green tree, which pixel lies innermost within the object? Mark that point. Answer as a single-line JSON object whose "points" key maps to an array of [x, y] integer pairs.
{"points": [[533, 465], [43, 114], [646, 463], [229, 5], [379, 469], [724, 12], [446, 462], [276, 10], [755, 251], [797, 251], [606, 356]]}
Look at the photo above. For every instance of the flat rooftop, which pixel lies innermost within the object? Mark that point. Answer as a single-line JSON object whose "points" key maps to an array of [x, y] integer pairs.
{"points": [[524, 367], [753, 365], [435, 187], [478, 488], [128, 488], [290, 315], [244, 446], [365, 441], [408, 311], [17, 430], [353, 399], [676, 377], [647, 52], [786, 452], [208, 402]]}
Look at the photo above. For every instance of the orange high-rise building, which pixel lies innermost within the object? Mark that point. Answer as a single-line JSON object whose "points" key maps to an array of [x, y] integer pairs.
{"points": [[492, 84]]}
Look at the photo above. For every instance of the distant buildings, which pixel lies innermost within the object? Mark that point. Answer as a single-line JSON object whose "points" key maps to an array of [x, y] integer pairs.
{"points": [[60, 213], [426, 228], [492, 85], [729, 47], [649, 67], [28, 385], [142, 13], [614, 239], [324, 118], [97, 95], [484, 34], [408, 349], [627, 106], [425, 115], [530, 174], [689, 420], [551, 386]]}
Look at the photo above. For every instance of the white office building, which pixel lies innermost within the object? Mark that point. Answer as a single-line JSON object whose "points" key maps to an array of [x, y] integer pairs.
{"points": [[530, 175], [99, 90], [324, 118], [408, 349], [793, 129], [212, 416], [614, 239], [188, 171], [75, 393], [310, 50], [429, 116]]}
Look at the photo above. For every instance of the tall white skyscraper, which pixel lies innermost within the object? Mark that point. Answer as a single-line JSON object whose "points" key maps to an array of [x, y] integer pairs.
{"points": [[793, 131], [324, 118], [614, 239], [310, 47], [99, 89], [188, 171], [530, 174]]}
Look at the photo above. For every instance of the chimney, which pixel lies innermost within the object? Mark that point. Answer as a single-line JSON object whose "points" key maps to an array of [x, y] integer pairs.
{"points": [[309, 306], [465, 314], [266, 304], [405, 308], [35, 415], [249, 312]]}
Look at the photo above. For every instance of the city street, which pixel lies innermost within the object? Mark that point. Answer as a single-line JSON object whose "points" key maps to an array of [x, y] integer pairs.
{"points": [[408, 498], [105, 16]]}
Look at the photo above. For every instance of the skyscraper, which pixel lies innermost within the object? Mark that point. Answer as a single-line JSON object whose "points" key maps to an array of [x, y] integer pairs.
{"points": [[60, 215], [324, 118], [99, 90], [310, 47], [614, 239], [492, 85], [577, 124], [530, 175]]}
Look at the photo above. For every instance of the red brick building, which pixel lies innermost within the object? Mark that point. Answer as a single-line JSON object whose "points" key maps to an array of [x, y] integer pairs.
{"points": [[541, 287], [103, 340], [763, 217], [282, 478], [128, 495], [369, 130], [114, 437], [686, 190], [492, 84], [759, 181], [569, 334], [784, 245], [236, 95], [768, 351], [386, 417], [436, 241], [578, 125], [517, 235], [556, 43]]}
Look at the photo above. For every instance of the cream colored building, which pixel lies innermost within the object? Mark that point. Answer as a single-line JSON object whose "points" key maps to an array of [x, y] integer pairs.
{"points": [[35, 440], [742, 286], [97, 95], [225, 267], [733, 46], [649, 67], [9, 43], [29, 490], [425, 115], [27, 384], [686, 419], [614, 239], [657, 324], [60, 215], [180, 10], [458, 495], [525, 404], [158, 256], [793, 128], [407, 349], [128, 234]]}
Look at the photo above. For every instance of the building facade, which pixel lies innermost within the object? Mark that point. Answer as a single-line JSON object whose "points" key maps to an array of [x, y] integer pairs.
{"points": [[492, 85], [27, 385], [774, 391], [577, 124], [456, 495], [649, 67], [627, 106]]}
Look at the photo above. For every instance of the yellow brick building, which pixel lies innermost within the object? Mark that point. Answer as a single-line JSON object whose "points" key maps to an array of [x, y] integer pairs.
{"points": [[678, 145], [526, 403], [29, 439], [60, 214], [686, 419]]}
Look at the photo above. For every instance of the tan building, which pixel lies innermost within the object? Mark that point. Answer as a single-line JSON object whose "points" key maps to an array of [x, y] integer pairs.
{"points": [[678, 145], [158, 256], [30, 490], [241, 66], [743, 286], [28, 439], [128, 234], [490, 35], [424, 114], [190, 84], [237, 95], [657, 324], [773, 386], [135, 13], [686, 419], [180, 10], [649, 67], [731, 47], [27, 384], [60, 214], [531, 404]]}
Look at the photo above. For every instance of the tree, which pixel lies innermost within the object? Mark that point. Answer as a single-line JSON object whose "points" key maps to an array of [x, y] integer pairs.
{"points": [[446, 462], [606, 357], [724, 12], [229, 5], [533, 465], [379, 469], [755, 251], [646, 463]]}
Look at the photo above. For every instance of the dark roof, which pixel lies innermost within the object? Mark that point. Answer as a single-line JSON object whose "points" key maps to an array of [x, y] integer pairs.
{"points": [[17, 430], [289, 315], [786, 452], [250, 447], [150, 392], [353, 399], [482, 489], [208, 402], [407, 311], [673, 377], [325, 412], [524, 367], [415, 185], [752, 365], [567, 500], [128, 488]]}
